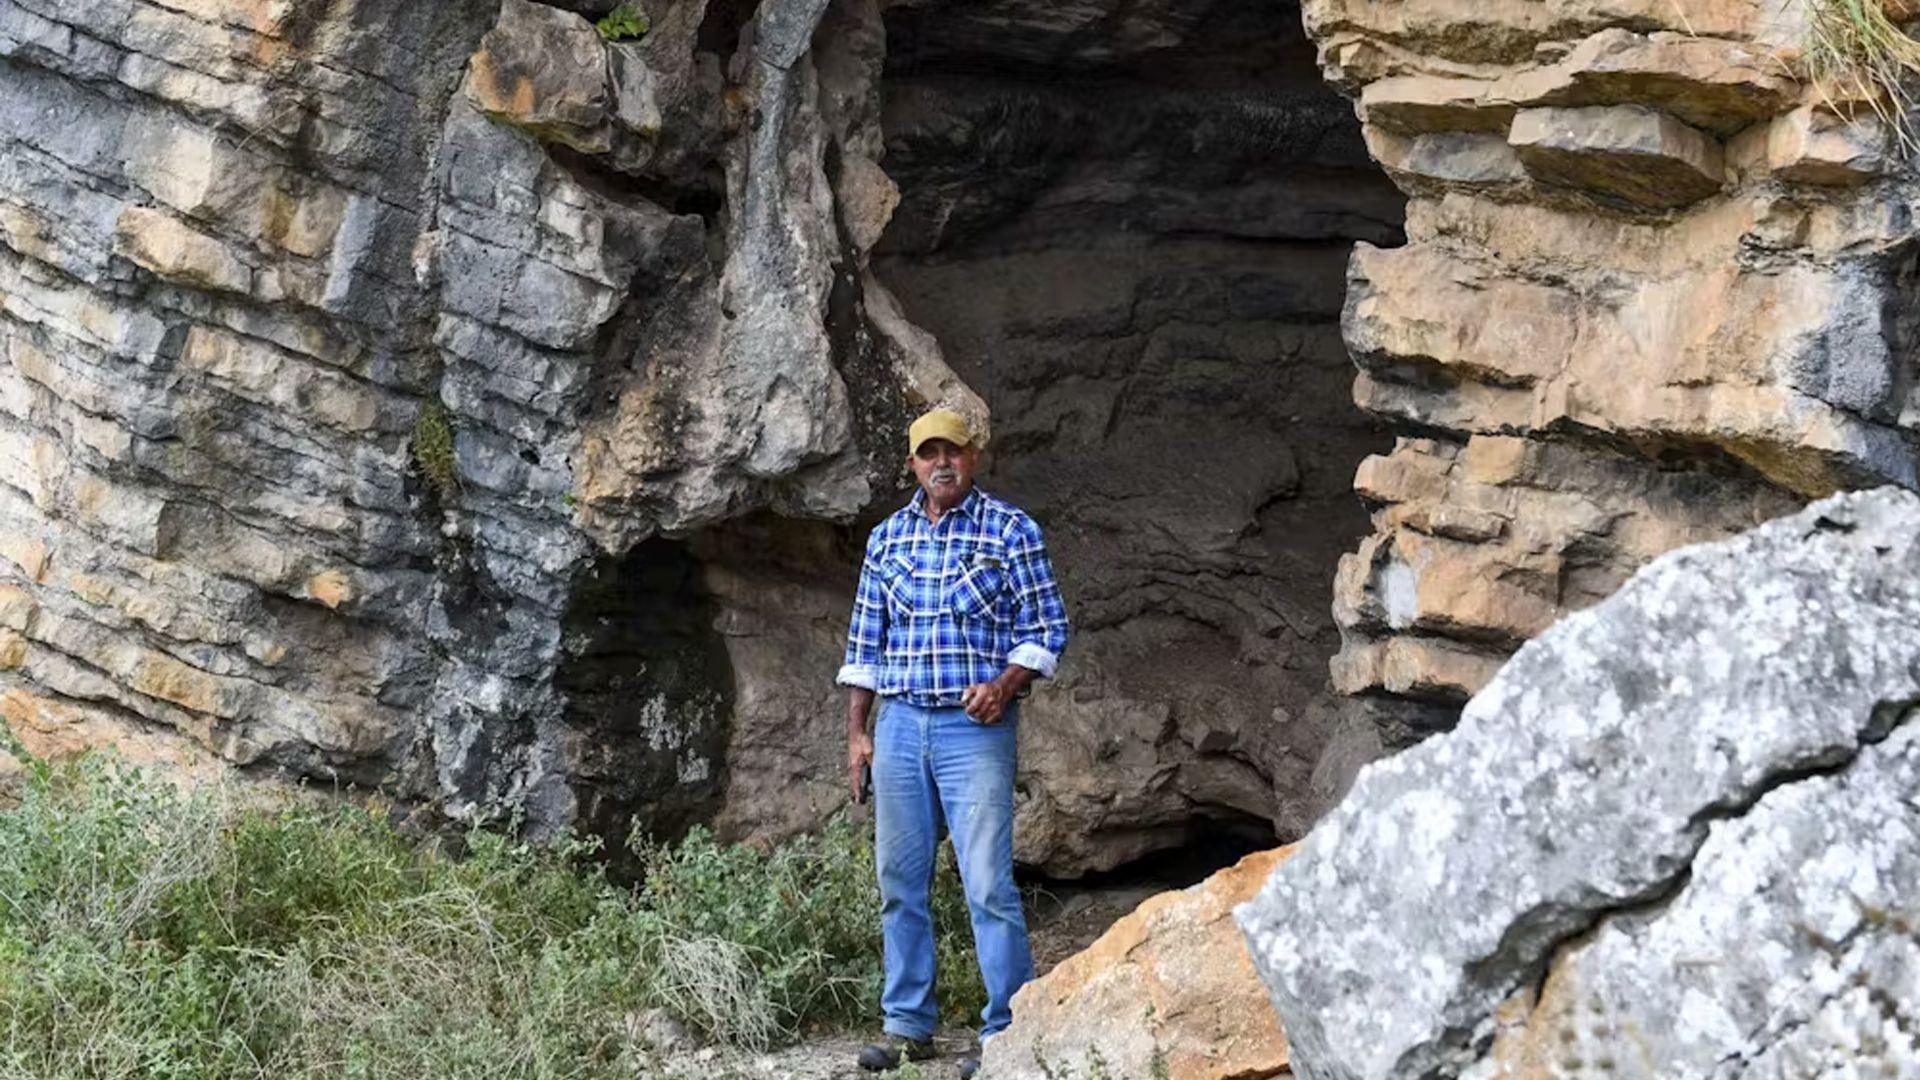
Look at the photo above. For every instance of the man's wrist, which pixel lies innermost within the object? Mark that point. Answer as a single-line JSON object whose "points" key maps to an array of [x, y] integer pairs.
{"points": [[859, 711]]}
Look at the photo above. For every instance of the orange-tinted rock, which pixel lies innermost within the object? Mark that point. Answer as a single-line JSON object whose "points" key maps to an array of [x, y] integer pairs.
{"points": [[1167, 991], [544, 70]]}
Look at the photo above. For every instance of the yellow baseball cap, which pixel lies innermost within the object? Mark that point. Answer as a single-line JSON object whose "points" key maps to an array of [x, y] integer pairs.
{"points": [[939, 424]]}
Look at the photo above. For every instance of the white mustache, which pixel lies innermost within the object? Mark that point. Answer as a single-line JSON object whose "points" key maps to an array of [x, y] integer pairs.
{"points": [[945, 476]]}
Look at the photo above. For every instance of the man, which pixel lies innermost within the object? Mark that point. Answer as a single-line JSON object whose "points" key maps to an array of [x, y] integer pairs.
{"points": [[957, 613]]}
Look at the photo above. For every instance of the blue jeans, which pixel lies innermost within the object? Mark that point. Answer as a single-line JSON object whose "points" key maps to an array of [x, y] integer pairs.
{"points": [[932, 766]]}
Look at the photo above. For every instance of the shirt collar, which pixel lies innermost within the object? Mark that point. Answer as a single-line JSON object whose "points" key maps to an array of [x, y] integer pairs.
{"points": [[969, 506]]}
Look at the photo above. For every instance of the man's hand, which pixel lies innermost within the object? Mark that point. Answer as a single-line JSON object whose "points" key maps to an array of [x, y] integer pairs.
{"points": [[859, 757], [859, 739], [985, 701]]}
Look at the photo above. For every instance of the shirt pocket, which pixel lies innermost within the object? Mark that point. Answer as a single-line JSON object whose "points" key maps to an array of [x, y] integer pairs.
{"points": [[896, 580], [978, 591]]}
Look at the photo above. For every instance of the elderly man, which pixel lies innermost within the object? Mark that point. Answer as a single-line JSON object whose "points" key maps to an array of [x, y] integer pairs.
{"points": [[957, 612]]}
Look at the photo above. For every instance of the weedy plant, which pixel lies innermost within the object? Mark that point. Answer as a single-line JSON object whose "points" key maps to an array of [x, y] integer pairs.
{"points": [[150, 931], [1856, 52], [623, 23], [433, 447], [810, 911]]}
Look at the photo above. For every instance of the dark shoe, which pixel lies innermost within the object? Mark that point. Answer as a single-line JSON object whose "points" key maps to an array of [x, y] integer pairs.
{"points": [[969, 1066], [886, 1055]]}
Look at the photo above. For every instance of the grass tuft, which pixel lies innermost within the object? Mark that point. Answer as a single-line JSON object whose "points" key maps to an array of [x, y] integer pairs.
{"points": [[1856, 52], [149, 931]]}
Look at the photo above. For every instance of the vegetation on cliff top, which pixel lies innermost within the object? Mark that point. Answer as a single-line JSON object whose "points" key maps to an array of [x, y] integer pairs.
{"points": [[1857, 53], [151, 932]]}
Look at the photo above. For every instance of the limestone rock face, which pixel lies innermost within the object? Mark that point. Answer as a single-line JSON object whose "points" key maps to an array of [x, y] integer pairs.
{"points": [[1720, 762], [356, 360], [212, 367], [1484, 545], [443, 397], [1648, 261], [1167, 992]]}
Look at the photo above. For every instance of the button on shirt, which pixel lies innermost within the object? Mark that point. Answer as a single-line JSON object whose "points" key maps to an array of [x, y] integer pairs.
{"points": [[942, 607]]}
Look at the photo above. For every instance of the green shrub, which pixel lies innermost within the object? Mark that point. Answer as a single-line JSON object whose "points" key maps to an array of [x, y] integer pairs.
{"points": [[433, 448], [624, 22], [147, 931]]}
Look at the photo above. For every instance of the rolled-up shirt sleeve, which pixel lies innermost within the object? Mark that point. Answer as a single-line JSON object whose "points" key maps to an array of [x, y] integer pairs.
{"points": [[867, 632], [1040, 615]]}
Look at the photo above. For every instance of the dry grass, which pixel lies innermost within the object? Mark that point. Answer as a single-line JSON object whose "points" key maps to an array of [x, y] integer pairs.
{"points": [[1857, 54]]}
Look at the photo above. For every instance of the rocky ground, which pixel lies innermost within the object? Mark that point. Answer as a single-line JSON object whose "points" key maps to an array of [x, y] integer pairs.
{"points": [[824, 1057]]}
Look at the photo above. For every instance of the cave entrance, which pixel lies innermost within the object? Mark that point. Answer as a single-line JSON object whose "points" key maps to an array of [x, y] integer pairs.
{"points": [[1128, 227], [1066, 915], [650, 695]]}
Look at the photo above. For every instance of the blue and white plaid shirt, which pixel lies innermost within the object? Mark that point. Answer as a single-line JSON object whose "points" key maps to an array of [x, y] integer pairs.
{"points": [[941, 607]]}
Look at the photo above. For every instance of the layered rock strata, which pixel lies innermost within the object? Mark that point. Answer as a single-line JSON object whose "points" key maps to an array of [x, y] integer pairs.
{"points": [[211, 541], [447, 398], [357, 359], [1654, 290], [444, 397], [1673, 837]]}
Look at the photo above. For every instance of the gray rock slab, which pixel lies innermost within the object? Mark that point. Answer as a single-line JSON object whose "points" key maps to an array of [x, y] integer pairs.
{"points": [[1584, 779], [1625, 152], [1789, 952]]}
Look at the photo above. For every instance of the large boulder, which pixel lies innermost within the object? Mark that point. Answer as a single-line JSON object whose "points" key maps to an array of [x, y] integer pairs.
{"points": [[1691, 809], [1168, 991]]}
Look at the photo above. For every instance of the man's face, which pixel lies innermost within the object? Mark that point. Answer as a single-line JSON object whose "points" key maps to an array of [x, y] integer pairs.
{"points": [[945, 471]]}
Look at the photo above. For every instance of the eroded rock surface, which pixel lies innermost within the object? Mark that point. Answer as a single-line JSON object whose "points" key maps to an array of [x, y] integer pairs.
{"points": [[212, 545], [453, 400], [358, 358], [1690, 808], [374, 370], [1130, 236], [1645, 255]]}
